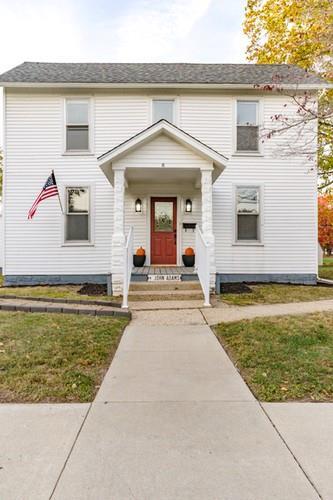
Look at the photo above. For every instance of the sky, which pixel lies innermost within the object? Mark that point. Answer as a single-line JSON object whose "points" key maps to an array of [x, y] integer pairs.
{"points": [[121, 31]]}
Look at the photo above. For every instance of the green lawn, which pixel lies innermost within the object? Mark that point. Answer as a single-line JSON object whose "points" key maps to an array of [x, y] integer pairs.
{"points": [[54, 291], [283, 358], [55, 357], [273, 293], [277, 294], [326, 271]]}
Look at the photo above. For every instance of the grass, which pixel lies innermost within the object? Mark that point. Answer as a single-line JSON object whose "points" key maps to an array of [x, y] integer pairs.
{"points": [[54, 291], [277, 294], [283, 358], [326, 270], [55, 357]]}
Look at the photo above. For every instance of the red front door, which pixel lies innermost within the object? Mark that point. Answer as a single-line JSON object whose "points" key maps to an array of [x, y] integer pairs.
{"points": [[163, 231]]}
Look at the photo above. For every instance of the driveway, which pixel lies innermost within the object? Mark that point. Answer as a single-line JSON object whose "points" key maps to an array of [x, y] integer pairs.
{"points": [[173, 420]]}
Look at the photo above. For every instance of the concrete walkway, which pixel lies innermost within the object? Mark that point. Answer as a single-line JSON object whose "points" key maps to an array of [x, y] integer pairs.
{"points": [[173, 420], [226, 314]]}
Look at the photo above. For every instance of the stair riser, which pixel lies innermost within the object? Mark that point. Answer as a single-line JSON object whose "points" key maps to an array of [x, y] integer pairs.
{"points": [[157, 298], [165, 292], [166, 286]]}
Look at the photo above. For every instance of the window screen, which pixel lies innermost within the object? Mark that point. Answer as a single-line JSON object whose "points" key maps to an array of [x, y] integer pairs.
{"points": [[247, 126], [248, 212], [163, 110], [77, 125], [78, 214]]}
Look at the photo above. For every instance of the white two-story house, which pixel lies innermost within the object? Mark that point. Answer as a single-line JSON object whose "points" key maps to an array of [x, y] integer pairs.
{"points": [[173, 151]]}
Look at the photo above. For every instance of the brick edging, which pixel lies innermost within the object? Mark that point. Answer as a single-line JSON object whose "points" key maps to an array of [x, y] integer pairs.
{"points": [[64, 310], [63, 301]]}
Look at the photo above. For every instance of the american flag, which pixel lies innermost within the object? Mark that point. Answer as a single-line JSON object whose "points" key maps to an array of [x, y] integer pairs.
{"points": [[50, 189]]}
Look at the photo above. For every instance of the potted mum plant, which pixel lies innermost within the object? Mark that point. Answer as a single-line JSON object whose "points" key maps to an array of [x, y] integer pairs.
{"points": [[189, 257], [139, 257]]}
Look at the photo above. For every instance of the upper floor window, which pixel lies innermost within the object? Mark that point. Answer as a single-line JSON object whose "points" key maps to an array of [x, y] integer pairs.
{"points": [[247, 126], [77, 125], [163, 109], [77, 228], [248, 213]]}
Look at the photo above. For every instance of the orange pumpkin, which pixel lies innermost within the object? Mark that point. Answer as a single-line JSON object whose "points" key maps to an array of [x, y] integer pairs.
{"points": [[140, 251], [189, 251]]}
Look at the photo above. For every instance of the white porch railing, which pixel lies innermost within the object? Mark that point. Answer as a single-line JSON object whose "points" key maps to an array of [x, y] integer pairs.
{"points": [[202, 263], [128, 265]]}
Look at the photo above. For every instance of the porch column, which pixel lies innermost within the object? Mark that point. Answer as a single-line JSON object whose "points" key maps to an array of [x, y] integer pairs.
{"points": [[118, 236], [207, 218]]}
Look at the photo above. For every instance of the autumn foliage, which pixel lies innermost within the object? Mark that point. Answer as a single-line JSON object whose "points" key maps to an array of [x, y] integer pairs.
{"points": [[325, 222], [298, 32]]}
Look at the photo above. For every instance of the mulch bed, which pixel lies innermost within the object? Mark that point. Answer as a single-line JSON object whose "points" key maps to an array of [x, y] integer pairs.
{"points": [[235, 288], [93, 289]]}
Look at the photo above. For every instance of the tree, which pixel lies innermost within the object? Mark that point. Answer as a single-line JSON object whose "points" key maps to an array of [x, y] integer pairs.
{"points": [[298, 32], [325, 222]]}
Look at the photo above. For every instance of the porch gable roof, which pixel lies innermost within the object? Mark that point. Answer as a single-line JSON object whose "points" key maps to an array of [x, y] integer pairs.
{"points": [[218, 160]]}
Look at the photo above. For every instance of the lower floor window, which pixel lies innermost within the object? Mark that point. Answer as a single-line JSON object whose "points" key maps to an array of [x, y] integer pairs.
{"points": [[247, 213], [77, 214]]}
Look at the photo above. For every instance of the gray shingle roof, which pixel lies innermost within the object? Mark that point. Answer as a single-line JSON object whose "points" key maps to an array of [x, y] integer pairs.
{"points": [[158, 73]]}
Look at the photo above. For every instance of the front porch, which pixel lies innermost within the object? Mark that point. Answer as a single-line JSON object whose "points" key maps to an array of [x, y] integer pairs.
{"points": [[156, 175], [181, 273]]}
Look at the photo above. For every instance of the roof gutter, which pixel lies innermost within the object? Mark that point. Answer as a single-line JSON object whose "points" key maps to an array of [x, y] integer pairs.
{"points": [[301, 86]]}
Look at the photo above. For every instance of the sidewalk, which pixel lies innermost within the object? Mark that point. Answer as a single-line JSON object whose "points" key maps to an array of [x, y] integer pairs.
{"points": [[174, 420], [226, 313]]}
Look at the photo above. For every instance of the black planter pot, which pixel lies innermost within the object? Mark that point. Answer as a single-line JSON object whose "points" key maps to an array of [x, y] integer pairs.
{"points": [[139, 260], [188, 260]]}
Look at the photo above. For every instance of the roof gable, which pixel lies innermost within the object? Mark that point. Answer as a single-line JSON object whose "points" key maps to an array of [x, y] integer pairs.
{"points": [[159, 149], [146, 136]]}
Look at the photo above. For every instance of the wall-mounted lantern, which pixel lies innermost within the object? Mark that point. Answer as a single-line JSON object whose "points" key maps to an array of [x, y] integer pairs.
{"points": [[138, 206], [188, 206]]}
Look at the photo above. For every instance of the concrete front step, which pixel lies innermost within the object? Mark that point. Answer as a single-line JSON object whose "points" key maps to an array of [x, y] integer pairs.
{"points": [[166, 293], [172, 295], [153, 286]]}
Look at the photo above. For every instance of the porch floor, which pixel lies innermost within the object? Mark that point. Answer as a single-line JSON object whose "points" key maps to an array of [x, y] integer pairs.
{"points": [[145, 270]]}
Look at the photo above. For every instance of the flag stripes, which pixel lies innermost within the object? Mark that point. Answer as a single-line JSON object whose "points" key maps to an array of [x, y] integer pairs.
{"points": [[50, 189]]}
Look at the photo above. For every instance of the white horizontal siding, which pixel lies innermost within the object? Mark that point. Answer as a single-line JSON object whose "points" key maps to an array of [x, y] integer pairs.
{"points": [[118, 118], [34, 131], [1, 237], [289, 225]]}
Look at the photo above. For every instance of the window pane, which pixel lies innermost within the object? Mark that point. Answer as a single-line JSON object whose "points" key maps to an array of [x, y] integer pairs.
{"points": [[163, 216], [163, 110], [247, 227], [247, 200], [77, 200], [247, 112], [247, 138], [77, 228], [77, 138], [77, 113]]}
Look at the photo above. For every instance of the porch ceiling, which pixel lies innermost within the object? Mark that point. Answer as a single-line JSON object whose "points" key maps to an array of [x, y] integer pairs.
{"points": [[162, 171]]}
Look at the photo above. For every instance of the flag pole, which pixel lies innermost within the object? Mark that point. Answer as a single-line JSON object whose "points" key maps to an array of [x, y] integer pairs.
{"points": [[62, 210]]}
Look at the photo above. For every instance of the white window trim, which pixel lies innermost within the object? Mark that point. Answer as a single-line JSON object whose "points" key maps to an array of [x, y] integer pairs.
{"points": [[260, 151], [63, 190], [173, 98], [251, 243], [83, 152]]}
